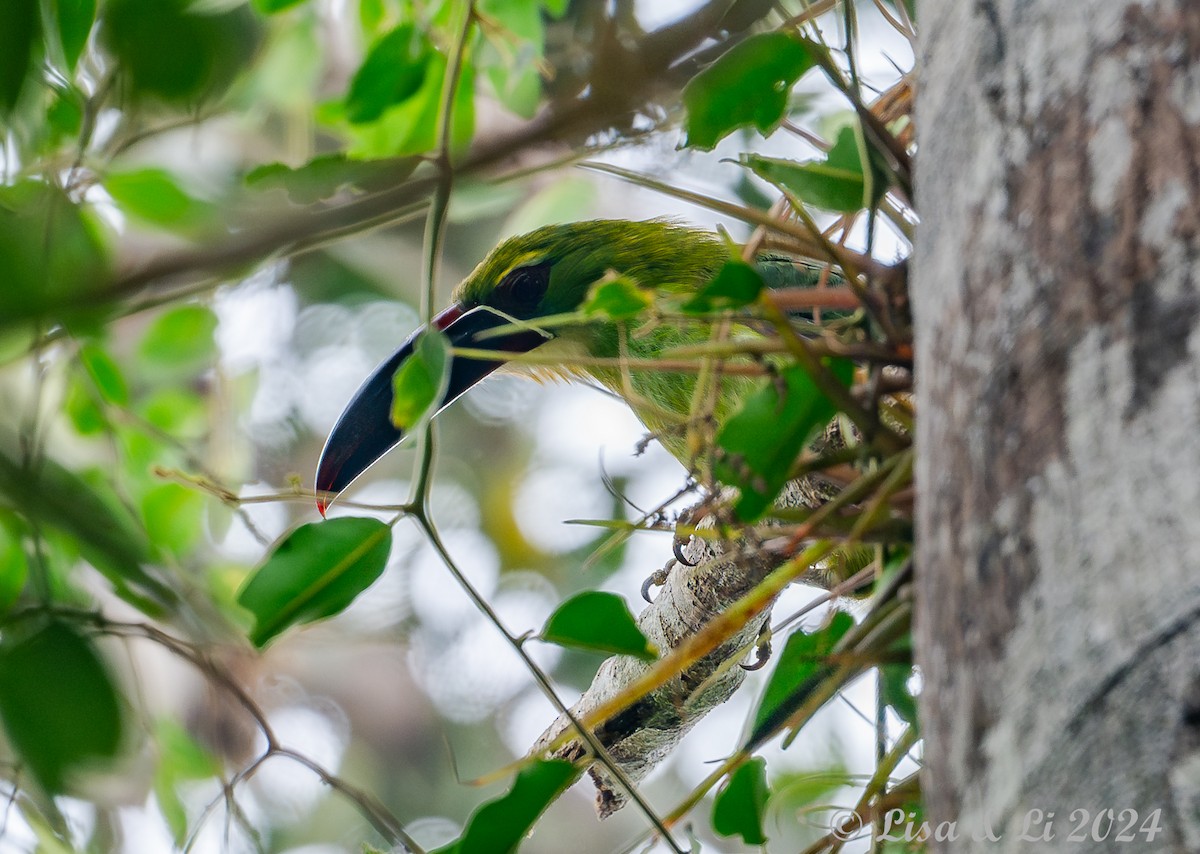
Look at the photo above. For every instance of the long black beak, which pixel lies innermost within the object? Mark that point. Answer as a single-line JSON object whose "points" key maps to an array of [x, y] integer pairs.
{"points": [[365, 432]]}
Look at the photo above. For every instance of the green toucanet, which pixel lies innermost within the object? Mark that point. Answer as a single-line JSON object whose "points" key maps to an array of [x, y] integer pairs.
{"points": [[550, 272]]}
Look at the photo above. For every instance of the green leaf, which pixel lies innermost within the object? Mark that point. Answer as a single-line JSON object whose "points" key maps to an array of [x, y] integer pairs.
{"points": [[14, 567], [836, 183], [617, 298], [18, 35], [174, 517], [50, 252], [735, 285], [894, 688], [177, 50], [180, 759], [411, 127], [315, 572], [740, 805], [419, 384], [58, 703], [176, 411], [180, 339], [75, 19], [153, 196], [105, 374], [800, 669], [105, 534], [498, 826], [763, 438], [392, 72], [747, 85], [323, 176], [270, 7], [601, 622]]}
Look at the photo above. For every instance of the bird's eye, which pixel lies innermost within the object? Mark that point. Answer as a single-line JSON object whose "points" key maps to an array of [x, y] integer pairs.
{"points": [[520, 292]]}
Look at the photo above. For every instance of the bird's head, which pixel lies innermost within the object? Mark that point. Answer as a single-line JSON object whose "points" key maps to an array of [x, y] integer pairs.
{"points": [[496, 308]]}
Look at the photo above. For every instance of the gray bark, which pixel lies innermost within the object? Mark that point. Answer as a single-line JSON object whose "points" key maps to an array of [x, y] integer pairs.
{"points": [[1056, 300]]}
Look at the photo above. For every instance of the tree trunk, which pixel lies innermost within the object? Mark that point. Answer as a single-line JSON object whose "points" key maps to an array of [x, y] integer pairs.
{"points": [[1056, 305]]}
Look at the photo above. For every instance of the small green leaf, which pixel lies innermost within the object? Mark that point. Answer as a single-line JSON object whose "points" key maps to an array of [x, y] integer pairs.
{"points": [[747, 85], [14, 567], [419, 384], [836, 183], [315, 572], [735, 285], [323, 176], [109, 380], [178, 50], [392, 72], [18, 35], [498, 826], [741, 803], [617, 298], [601, 622], [764, 437], [96, 522], [176, 411], [411, 127], [894, 688], [800, 669], [174, 516], [180, 339], [58, 703], [75, 19], [180, 760], [153, 196], [50, 252], [270, 7]]}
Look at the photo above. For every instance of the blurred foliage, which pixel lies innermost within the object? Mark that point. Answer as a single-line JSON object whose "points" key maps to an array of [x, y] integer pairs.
{"points": [[210, 228]]}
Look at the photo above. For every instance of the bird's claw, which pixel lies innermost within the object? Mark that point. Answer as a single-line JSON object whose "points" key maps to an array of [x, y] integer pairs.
{"points": [[656, 579], [677, 549], [762, 651]]}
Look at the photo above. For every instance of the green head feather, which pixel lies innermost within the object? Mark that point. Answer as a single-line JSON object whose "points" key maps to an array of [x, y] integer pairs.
{"points": [[551, 270]]}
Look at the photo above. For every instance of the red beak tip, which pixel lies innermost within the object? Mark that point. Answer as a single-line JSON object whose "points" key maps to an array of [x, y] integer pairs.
{"points": [[321, 505]]}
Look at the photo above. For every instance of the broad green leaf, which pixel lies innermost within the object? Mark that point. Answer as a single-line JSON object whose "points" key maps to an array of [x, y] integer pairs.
{"points": [[50, 252], [174, 517], [763, 438], [896, 694], [64, 117], [153, 196], [178, 50], [411, 127], [315, 572], [735, 285], [180, 760], [597, 621], [58, 703], [105, 373], [323, 176], [617, 298], [180, 339], [747, 85], [14, 567], [75, 19], [835, 183], [741, 803], [392, 72], [270, 7], [419, 384], [800, 668], [81, 407], [97, 525], [498, 826], [18, 35], [176, 411]]}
